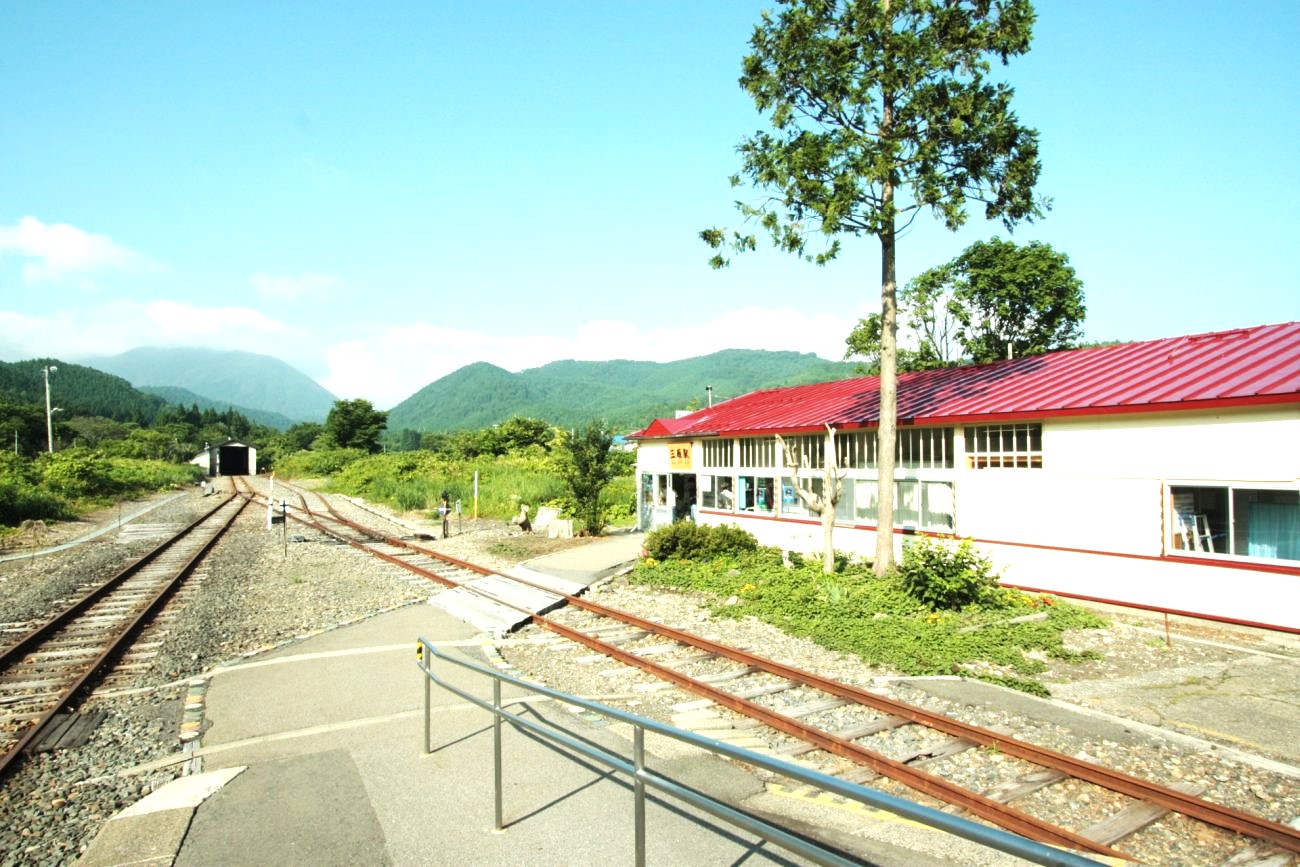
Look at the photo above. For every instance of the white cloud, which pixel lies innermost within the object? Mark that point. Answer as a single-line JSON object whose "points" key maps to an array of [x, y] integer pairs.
{"points": [[292, 287], [177, 319], [397, 362], [61, 249], [118, 326]]}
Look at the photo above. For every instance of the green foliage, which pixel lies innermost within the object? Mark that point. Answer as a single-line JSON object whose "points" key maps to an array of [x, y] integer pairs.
{"points": [[27, 422], [77, 390], [568, 393], [355, 424], [316, 464], [686, 540], [582, 459], [23, 501], [77, 474], [877, 618], [1004, 295], [878, 110], [945, 578]]}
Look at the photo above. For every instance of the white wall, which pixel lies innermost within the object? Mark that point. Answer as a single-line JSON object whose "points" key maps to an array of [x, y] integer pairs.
{"points": [[1231, 445]]}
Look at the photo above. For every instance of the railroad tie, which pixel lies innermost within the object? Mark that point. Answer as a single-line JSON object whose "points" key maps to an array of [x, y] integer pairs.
{"points": [[1134, 817]]}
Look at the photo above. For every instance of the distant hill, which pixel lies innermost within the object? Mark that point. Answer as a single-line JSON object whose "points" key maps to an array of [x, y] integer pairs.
{"points": [[187, 398], [243, 379], [627, 394], [77, 390]]}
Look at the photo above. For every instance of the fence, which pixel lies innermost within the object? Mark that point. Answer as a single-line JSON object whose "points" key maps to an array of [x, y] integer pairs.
{"points": [[643, 777]]}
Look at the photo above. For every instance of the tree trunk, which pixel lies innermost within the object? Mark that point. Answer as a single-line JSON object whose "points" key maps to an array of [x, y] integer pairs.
{"points": [[887, 433], [828, 547]]}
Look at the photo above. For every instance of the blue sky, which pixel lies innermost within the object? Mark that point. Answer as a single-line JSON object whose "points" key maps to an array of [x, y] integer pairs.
{"points": [[382, 193]]}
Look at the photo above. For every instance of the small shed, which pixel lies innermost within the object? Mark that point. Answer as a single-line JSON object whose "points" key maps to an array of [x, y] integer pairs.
{"points": [[231, 458]]}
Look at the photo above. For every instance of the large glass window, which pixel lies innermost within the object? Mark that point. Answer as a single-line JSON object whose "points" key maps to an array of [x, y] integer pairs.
{"points": [[1242, 522], [755, 493], [717, 492]]}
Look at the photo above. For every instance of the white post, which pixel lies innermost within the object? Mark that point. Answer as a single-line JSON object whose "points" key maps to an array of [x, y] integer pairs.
{"points": [[476, 495], [49, 415]]}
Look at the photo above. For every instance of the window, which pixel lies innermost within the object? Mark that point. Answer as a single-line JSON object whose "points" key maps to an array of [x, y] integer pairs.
{"points": [[856, 451], [717, 453], [717, 492], [790, 502], [1004, 445], [758, 452], [916, 448], [809, 450], [1241, 522], [917, 504], [925, 448], [755, 493]]}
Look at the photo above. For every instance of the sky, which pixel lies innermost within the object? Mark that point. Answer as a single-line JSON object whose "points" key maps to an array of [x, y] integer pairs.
{"points": [[381, 193]]}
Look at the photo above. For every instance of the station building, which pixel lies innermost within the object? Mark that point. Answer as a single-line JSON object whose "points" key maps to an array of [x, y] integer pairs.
{"points": [[1163, 474], [231, 458]]}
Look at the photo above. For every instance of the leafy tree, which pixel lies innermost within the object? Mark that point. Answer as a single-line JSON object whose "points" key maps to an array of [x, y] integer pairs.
{"points": [[25, 420], [1013, 300], [583, 458], [879, 109], [355, 424]]}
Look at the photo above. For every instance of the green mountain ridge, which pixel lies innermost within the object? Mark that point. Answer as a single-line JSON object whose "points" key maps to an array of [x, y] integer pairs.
{"points": [[185, 397], [241, 379], [77, 390], [627, 394]]}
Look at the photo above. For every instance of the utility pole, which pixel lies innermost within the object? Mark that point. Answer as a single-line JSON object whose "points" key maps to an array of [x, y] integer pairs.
{"points": [[49, 416]]}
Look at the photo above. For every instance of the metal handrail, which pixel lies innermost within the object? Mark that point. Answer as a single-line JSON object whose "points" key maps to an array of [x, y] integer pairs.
{"points": [[643, 777]]}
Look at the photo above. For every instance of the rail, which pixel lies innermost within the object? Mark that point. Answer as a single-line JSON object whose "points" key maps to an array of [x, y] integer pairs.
{"points": [[643, 777]]}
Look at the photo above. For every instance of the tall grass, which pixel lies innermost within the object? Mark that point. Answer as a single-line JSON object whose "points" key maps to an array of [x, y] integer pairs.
{"points": [[415, 481]]}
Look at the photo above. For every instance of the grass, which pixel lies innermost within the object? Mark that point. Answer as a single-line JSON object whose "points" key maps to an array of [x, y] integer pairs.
{"points": [[414, 481], [854, 611]]}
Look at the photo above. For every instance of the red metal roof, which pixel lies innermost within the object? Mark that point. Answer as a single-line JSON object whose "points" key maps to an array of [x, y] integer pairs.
{"points": [[1244, 367]]}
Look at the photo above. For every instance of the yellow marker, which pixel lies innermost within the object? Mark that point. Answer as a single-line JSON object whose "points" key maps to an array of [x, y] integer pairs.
{"points": [[419, 651]]}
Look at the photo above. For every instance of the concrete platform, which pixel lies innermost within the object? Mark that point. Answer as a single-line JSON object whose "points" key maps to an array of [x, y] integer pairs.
{"points": [[497, 604], [313, 754]]}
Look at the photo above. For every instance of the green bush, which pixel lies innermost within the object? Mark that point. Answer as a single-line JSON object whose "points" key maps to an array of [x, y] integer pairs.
{"points": [[78, 474], [878, 618], [22, 501], [685, 540], [945, 578], [316, 464]]}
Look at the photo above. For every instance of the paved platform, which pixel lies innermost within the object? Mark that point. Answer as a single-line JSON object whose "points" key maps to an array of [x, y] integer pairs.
{"points": [[314, 755]]}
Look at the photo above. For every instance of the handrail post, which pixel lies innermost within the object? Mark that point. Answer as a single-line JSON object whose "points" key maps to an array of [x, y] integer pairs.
{"points": [[638, 762], [496, 748], [428, 685]]}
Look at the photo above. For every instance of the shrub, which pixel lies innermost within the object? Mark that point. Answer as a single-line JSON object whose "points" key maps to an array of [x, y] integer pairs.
{"points": [[688, 541], [21, 501], [945, 578], [77, 473]]}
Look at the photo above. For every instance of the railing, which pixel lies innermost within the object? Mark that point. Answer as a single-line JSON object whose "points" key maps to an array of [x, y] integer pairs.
{"points": [[643, 777]]}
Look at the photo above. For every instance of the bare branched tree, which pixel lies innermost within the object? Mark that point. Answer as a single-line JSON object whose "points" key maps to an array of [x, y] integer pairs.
{"points": [[822, 504]]}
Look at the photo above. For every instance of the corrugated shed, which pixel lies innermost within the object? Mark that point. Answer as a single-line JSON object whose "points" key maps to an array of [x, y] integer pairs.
{"points": [[1244, 367]]}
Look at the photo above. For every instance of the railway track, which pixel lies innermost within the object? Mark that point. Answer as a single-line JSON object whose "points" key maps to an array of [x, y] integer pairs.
{"points": [[747, 683], [44, 671]]}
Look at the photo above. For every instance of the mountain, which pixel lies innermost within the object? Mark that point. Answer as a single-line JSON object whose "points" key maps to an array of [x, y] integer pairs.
{"points": [[185, 397], [627, 394], [76, 390], [244, 379]]}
